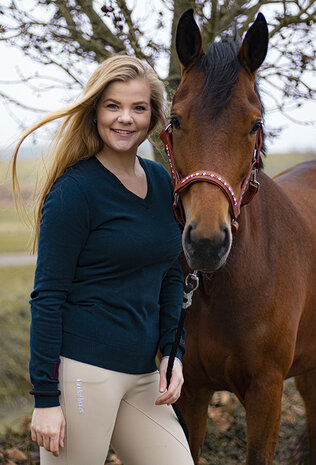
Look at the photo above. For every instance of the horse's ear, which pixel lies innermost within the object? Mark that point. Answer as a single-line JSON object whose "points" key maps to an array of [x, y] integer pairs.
{"points": [[255, 45], [188, 39]]}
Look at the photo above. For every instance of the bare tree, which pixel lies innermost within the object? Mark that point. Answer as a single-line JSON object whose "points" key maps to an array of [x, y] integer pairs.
{"points": [[72, 34]]}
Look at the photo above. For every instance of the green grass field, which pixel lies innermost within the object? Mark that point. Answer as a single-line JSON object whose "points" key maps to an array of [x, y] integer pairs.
{"points": [[16, 285], [26, 171], [275, 163], [15, 235], [15, 231]]}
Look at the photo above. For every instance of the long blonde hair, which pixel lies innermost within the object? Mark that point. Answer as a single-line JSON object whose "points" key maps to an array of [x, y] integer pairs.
{"points": [[78, 138]]}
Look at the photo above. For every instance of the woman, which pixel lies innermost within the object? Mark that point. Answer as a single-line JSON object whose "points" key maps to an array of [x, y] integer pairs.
{"points": [[108, 287]]}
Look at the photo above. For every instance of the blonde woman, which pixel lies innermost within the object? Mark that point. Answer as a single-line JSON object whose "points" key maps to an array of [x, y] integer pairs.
{"points": [[108, 287]]}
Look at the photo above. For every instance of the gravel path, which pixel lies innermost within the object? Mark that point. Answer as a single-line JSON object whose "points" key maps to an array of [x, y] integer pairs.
{"points": [[16, 259]]}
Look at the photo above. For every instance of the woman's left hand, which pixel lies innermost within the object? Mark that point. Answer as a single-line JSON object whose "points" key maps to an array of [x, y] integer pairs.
{"points": [[171, 395]]}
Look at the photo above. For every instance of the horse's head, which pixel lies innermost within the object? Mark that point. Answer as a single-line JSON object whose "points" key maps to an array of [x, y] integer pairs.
{"points": [[215, 115]]}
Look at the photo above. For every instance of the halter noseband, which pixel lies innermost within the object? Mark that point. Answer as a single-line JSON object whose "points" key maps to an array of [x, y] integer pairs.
{"points": [[249, 188]]}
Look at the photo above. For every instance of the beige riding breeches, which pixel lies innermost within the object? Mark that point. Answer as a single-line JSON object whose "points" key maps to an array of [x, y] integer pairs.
{"points": [[104, 407]]}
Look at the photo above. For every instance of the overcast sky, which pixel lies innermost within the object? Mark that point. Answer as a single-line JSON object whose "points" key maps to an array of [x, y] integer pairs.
{"points": [[293, 137]]}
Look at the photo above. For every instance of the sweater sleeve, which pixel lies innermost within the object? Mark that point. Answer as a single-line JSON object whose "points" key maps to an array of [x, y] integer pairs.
{"points": [[63, 232], [171, 298]]}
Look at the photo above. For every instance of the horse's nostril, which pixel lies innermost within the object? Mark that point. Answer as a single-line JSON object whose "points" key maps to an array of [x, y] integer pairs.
{"points": [[226, 232], [188, 234], [223, 241]]}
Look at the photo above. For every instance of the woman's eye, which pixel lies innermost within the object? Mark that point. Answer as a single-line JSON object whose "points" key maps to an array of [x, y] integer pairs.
{"points": [[140, 108], [112, 106], [255, 127], [175, 122]]}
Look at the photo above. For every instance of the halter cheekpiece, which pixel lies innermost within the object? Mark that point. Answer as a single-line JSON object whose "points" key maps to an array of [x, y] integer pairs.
{"points": [[249, 188]]}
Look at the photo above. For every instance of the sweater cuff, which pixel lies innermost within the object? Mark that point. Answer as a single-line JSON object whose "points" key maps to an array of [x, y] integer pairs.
{"points": [[43, 401], [179, 360], [180, 352], [45, 398]]}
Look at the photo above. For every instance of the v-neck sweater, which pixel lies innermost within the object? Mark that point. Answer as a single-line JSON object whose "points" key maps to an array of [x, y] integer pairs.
{"points": [[108, 287]]}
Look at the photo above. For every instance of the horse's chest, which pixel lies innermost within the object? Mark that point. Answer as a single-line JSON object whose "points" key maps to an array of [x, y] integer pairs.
{"points": [[223, 342]]}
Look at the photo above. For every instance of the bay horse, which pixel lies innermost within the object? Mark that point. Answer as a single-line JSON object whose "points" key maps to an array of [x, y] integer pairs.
{"points": [[253, 319]]}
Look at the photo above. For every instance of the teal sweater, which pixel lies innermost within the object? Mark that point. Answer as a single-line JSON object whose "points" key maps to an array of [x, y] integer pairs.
{"points": [[108, 287]]}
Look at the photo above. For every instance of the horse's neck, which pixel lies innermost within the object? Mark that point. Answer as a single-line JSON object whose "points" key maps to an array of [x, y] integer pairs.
{"points": [[265, 214]]}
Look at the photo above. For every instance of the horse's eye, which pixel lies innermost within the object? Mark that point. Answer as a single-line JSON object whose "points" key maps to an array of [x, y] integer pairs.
{"points": [[175, 122], [255, 127]]}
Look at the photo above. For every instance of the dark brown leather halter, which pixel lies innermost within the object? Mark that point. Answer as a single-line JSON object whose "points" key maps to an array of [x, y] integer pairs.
{"points": [[249, 188]]}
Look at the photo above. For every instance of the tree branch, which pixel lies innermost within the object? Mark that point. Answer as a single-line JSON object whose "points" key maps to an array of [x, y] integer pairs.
{"points": [[9, 99]]}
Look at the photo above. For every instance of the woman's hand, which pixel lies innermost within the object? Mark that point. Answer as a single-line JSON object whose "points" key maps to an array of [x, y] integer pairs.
{"points": [[173, 393], [48, 428]]}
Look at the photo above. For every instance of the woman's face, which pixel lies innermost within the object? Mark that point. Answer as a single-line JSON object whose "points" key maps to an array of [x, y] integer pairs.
{"points": [[123, 115]]}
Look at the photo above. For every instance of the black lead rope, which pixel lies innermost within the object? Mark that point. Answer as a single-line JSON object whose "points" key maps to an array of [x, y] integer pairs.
{"points": [[189, 288]]}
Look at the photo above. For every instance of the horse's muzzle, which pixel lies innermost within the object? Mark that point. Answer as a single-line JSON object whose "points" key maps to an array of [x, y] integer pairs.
{"points": [[206, 254]]}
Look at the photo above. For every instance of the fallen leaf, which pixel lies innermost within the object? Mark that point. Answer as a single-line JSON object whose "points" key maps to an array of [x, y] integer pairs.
{"points": [[225, 397], [25, 424], [113, 460], [15, 454], [222, 420]]}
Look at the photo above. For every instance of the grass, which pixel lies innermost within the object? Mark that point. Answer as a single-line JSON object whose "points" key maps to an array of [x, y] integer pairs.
{"points": [[14, 241], [26, 171], [16, 285], [275, 163], [20, 441], [15, 234]]}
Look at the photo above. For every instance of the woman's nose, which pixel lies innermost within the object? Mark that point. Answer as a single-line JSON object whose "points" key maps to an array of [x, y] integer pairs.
{"points": [[125, 117]]}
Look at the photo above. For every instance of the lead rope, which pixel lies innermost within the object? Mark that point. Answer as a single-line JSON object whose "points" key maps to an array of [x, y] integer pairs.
{"points": [[189, 288]]}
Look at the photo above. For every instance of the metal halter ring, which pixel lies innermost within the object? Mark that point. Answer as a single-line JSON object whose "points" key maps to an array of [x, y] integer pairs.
{"points": [[193, 276]]}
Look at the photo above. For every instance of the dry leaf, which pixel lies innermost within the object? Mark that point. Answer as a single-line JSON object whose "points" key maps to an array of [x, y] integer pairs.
{"points": [[222, 420], [225, 397], [25, 424], [113, 460], [15, 454]]}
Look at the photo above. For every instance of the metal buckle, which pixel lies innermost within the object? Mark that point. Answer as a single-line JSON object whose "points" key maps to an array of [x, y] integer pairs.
{"points": [[176, 199], [254, 179], [168, 128]]}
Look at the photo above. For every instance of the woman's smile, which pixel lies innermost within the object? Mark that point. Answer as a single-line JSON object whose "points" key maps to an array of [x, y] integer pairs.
{"points": [[122, 132]]}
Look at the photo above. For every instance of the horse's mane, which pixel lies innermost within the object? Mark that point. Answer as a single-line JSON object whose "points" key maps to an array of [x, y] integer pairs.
{"points": [[221, 67]]}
